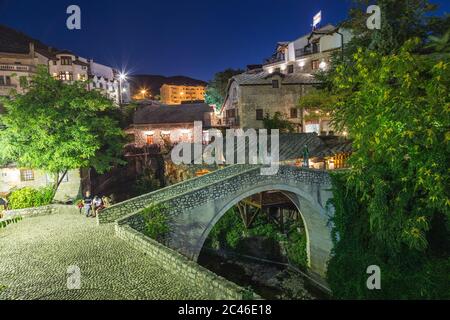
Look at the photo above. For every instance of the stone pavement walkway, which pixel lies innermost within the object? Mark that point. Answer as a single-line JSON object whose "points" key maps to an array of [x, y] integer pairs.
{"points": [[36, 253]]}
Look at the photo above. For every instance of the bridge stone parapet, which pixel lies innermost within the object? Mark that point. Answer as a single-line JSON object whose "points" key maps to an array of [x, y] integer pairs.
{"points": [[125, 208]]}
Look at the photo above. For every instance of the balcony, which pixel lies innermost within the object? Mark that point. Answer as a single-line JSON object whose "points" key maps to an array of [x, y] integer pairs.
{"points": [[231, 122], [307, 51], [17, 67]]}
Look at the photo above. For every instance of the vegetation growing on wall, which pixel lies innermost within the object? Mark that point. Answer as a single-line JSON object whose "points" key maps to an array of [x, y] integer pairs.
{"points": [[30, 198], [156, 222], [279, 122]]}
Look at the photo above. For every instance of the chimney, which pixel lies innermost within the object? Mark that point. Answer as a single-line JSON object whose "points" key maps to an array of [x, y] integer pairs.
{"points": [[32, 49]]}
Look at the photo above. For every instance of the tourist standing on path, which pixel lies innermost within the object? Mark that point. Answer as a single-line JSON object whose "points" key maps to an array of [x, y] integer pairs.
{"points": [[87, 202], [98, 205]]}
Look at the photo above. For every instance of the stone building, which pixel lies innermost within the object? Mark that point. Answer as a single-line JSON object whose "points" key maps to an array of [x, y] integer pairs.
{"points": [[160, 124], [281, 82], [20, 55], [254, 94], [172, 94]]}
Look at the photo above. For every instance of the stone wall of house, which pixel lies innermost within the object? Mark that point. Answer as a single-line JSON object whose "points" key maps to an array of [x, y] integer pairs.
{"points": [[212, 286], [122, 209], [270, 100]]}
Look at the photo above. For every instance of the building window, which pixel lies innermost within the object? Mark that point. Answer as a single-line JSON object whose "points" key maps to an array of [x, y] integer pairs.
{"points": [[259, 114], [66, 61], [26, 175], [291, 68], [231, 113], [294, 113], [278, 70], [66, 76], [150, 139], [54, 62], [275, 84], [5, 80], [315, 64]]}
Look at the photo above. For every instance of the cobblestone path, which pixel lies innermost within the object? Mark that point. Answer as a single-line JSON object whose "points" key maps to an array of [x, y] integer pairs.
{"points": [[36, 253]]}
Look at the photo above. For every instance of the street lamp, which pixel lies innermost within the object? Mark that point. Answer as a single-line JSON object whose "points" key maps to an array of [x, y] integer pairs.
{"points": [[122, 78]]}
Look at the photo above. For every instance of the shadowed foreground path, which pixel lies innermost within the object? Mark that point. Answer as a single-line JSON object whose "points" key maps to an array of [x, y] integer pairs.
{"points": [[36, 252]]}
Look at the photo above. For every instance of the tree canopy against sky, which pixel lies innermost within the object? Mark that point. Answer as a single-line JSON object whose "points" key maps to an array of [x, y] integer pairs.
{"points": [[57, 126], [217, 88]]}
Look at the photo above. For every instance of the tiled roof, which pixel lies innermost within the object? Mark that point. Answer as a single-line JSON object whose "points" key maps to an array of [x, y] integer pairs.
{"points": [[159, 114], [264, 77], [292, 146]]}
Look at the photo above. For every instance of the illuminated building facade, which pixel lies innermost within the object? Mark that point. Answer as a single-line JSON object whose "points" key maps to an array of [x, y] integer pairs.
{"points": [[179, 94]]}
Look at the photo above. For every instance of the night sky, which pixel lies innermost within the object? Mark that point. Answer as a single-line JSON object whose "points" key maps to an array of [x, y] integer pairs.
{"points": [[170, 37]]}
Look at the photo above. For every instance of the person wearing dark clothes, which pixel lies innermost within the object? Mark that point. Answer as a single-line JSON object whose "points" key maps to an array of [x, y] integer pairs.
{"points": [[87, 202], [3, 204]]}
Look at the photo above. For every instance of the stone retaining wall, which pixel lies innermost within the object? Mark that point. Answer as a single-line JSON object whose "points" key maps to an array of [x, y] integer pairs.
{"points": [[213, 286], [39, 211]]}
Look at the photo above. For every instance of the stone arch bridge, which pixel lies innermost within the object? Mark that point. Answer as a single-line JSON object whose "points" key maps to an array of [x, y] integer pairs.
{"points": [[198, 204]]}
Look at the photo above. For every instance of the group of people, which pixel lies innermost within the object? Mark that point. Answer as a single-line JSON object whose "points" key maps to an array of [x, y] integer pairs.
{"points": [[93, 205]]}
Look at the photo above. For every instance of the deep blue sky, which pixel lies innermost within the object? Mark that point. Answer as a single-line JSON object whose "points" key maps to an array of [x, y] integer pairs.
{"points": [[170, 37]]}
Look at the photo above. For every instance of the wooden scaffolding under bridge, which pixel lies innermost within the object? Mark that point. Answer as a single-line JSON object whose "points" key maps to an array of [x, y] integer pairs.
{"points": [[272, 203]]}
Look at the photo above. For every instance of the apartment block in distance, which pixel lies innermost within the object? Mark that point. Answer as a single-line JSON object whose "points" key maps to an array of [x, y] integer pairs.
{"points": [[172, 94]]}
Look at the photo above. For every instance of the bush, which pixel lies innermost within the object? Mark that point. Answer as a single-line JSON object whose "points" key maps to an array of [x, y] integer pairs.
{"points": [[410, 274], [296, 248], [30, 197], [146, 183], [156, 222]]}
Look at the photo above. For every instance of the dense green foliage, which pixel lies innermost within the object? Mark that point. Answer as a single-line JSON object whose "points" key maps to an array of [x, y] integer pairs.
{"points": [[30, 198], [156, 222], [230, 231], [296, 247], [216, 91], [146, 183], [390, 93], [278, 121], [392, 209], [396, 109], [408, 274], [57, 126]]}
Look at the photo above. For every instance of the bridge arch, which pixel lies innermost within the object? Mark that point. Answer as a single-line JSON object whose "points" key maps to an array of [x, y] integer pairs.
{"points": [[309, 199]]}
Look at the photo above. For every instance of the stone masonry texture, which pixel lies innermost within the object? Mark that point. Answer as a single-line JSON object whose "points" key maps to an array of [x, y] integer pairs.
{"points": [[36, 253]]}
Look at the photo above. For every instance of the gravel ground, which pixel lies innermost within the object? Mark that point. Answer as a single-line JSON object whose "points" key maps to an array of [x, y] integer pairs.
{"points": [[35, 255]]}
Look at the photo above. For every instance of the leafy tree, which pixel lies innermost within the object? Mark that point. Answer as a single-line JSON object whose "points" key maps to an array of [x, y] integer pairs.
{"points": [[58, 126], [396, 109], [401, 20], [216, 90], [278, 121]]}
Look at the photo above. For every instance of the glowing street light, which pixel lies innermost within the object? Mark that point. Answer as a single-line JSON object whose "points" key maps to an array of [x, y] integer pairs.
{"points": [[122, 78], [144, 93]]}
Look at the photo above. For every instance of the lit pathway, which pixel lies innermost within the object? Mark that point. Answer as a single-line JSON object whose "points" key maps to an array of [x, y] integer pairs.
{"points": [[36, 252]]}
